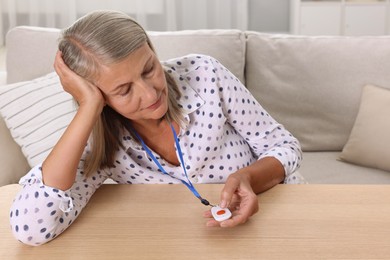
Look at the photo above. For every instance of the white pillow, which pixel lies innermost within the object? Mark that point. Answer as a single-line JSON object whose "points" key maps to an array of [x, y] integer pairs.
{"points": [[368, 143], [36, 112]]}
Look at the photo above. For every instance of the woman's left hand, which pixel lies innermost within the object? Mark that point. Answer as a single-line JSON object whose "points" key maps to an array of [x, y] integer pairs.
{"points": [[239, 197]]}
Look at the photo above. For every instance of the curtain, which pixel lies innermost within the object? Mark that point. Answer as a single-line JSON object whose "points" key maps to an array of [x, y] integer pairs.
{"points": [[153, 15]]}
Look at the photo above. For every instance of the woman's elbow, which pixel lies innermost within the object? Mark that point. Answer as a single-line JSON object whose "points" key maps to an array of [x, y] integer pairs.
{"points": [[30, 230]]}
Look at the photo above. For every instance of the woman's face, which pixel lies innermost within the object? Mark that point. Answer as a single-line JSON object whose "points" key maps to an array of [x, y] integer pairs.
{"points": [[136, 87]]}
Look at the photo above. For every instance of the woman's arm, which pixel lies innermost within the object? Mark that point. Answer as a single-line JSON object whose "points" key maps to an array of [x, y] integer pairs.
{"points": [[60, 167], [262, 175], [40, 213], [55, 193], [278, 153]]}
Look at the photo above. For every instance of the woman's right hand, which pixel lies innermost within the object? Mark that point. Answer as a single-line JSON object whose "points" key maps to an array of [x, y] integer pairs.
{"points": [[83, 91]]}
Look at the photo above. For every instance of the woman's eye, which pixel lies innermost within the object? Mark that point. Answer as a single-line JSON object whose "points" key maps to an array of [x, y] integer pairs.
{"points": [[124, 91], [149, 70]]}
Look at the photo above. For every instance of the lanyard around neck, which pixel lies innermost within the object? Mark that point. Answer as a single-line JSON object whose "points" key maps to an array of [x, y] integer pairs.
{"points": [[187, 183]]}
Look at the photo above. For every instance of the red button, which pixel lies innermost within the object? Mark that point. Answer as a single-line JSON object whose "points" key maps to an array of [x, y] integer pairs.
{"points": [[221, 212]]}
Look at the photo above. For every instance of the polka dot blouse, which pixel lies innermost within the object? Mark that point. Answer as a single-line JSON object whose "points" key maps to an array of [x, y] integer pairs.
{"points": [[225, 129]]}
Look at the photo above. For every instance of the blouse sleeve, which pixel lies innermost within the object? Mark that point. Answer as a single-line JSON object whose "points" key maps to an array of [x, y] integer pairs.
{"points": [[40, 213], [266, 137]]}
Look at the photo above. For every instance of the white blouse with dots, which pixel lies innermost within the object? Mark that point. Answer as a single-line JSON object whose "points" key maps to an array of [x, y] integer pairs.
{"points": [[226, 129]]}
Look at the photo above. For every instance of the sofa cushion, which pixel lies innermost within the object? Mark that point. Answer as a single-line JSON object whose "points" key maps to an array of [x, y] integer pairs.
{"points": [[34, 48], [368, 144], [312, 84], [326, 168], [36, 113], [30, 52], [227, 46]]}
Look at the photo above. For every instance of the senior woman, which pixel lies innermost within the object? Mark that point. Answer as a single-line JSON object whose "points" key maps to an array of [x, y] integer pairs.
{"points": [[186, 120]]}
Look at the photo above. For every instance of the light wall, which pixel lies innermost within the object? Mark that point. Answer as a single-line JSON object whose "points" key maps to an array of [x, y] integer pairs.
{"points": [[269, 16]]}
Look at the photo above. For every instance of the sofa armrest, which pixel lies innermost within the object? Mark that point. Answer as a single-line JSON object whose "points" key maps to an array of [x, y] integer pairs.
{"points": [[3, 78], [13, 164]]}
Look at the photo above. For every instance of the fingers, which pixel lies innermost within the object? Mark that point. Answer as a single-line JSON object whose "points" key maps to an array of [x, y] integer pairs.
{"points": [[236, 220], [231, 186], [239, 197], [61, 68], [213, 223], [234, 205], [240, 215], [58, 62], [82, 90]]}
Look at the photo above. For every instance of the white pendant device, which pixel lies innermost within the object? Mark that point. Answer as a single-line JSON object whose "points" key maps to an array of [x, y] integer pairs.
{"points": [[220, 214]]}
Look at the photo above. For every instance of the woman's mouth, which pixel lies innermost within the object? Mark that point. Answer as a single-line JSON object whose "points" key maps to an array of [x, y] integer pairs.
{"points": [[155, 105]]}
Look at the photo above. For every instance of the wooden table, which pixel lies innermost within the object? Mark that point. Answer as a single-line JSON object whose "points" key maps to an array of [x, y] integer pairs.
{"points": [[165, 222]]}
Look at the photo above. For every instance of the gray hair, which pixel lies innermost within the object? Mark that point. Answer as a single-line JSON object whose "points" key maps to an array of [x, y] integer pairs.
{"points": [[100, 38]]}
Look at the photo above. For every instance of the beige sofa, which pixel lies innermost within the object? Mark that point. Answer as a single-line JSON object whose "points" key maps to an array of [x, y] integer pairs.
{"points": [[313, 85]]}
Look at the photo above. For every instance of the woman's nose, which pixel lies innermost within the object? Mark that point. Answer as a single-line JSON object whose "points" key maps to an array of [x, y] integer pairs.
{"points": [[147, 91]]}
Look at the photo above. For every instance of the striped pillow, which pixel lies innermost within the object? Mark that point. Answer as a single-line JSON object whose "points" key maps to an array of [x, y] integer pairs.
{"points": [[36, 113]]}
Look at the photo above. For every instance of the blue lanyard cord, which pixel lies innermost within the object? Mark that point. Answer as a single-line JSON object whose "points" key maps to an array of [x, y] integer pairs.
{"points": [[189, 185]]}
